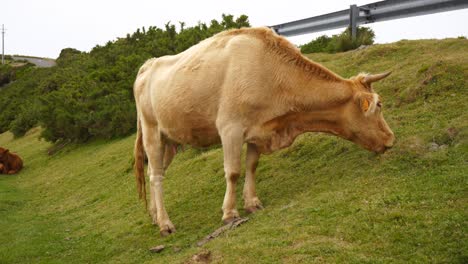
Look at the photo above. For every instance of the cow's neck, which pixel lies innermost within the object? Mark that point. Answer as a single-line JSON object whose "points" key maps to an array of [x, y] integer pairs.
{"points": [[296, 123], [318, 89], [281, 131], [311, 105], [318, 105]]}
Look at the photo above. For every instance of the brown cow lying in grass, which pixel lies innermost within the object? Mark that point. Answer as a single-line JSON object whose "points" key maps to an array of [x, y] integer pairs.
{"points": [[10, 163]]}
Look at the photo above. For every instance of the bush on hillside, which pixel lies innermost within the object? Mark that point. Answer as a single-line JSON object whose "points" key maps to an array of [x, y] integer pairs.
{"points": [[25, 120], [319, 44], [67, 56], [341, 42], [9, 73], [5, 74], [18, 96]]}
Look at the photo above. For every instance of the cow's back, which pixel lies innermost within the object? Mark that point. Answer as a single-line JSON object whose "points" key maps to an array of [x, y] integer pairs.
{"points": [[185, 93]]}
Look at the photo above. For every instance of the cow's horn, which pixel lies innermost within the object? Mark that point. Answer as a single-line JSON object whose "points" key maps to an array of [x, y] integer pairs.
{"points": [[375, 77]]}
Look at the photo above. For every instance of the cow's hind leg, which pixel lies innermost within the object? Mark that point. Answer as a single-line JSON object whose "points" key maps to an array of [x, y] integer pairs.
{"points": [[232, 140], [251, 201], [155, 145]]}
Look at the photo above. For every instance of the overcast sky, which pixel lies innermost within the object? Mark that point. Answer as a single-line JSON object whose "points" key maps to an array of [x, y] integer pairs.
{"points": [[44, 27]]}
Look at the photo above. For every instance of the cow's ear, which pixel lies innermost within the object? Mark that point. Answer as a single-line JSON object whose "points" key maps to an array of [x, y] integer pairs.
{"points": [[364, 104], [364, 100]]}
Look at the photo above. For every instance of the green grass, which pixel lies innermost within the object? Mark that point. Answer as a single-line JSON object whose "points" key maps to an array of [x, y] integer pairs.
{"points": [[326, 200]]}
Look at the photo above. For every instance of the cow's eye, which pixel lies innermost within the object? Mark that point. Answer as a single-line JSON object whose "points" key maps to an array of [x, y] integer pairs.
{"points": [[379, 104]]}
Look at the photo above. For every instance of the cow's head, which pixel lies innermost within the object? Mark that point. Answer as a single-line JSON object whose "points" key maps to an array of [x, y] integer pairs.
{"points": [[3, 153], [363, 116]]}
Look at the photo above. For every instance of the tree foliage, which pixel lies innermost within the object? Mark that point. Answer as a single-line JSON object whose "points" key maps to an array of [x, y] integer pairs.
{"points": [[89, 94]]}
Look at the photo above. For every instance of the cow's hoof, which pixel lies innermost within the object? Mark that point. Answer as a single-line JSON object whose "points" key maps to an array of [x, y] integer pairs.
{"points": [[252, 205], [230, 220], [165, 233], [230, 216], [253, 209], [167, 229]]}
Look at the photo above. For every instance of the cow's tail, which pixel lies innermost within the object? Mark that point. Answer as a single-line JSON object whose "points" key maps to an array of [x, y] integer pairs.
{"points": [[139, 165]]}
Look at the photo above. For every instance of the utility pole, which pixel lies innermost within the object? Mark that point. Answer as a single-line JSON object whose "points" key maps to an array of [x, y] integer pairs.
{"points": [[3, 44]]}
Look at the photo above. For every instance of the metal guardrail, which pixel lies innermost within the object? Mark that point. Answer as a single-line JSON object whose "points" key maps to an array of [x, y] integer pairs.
{"points": [[370, 13]]}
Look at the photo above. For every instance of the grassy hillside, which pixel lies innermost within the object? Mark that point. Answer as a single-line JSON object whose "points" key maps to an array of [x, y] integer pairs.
{"points": [[326, 200]]}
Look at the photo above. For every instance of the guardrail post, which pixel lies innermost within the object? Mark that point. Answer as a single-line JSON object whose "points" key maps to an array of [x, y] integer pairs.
{"points": [[353, 16], [3, 44]]}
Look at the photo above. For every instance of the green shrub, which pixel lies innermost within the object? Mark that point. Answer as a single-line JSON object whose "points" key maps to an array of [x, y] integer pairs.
{"points": [[341, 42], [6, 74], [67, 56], [320, 44], [17, 95], [25, 119]]}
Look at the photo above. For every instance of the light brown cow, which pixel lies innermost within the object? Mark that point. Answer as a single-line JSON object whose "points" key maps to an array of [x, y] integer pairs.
{"points": [[245, 86]]}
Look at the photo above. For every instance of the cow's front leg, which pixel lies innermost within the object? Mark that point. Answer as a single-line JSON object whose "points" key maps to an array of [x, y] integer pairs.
{"points": [[251, 201], [232, 140], [155, 146]]}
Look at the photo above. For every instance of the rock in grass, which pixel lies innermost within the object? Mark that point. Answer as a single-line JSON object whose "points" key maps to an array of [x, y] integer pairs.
{"points": [[202, 257], [177, 249], [157, 249], [433, 146]]}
